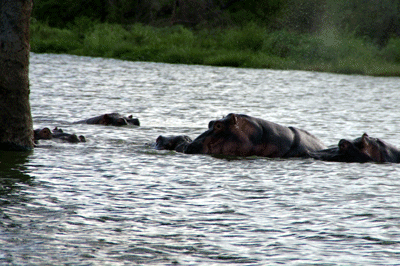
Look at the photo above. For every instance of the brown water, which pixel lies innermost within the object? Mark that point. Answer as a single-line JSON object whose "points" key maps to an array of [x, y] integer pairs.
{"points": [[116, 201]]}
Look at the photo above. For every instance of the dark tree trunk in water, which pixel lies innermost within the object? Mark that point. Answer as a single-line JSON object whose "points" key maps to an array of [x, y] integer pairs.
{"points": [[15, 113]]}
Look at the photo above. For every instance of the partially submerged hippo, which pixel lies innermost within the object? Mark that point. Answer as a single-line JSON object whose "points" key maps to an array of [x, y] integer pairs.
{"points": [[42, 133], [364, 149], [57, 133], [114, 119], [173, 143], [242, 135]]}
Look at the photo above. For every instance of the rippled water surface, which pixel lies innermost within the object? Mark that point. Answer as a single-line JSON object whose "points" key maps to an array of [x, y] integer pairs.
{"points": [[116, 201]]}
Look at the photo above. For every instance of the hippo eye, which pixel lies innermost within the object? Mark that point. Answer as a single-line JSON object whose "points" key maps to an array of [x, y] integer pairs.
{"points": [[218, 126]]}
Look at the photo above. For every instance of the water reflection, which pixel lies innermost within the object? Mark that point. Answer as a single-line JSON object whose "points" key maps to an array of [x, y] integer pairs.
{"points": [[13, 168], [14, 178]]}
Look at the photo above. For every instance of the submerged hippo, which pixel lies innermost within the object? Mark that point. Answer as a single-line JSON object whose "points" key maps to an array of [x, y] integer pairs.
{"points": [[114, 119], [242, 135], [57, 133], [173, 143], [42, 133], [361, 150]]}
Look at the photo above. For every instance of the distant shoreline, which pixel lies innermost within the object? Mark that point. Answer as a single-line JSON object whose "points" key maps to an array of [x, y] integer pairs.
{"points": [[250, 46]]}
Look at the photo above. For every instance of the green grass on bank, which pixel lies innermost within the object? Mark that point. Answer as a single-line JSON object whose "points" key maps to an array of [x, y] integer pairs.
{"points": [[250, 46]]}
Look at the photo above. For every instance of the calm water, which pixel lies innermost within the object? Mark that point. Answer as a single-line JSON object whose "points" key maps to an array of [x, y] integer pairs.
{"points": [[116, 201]]}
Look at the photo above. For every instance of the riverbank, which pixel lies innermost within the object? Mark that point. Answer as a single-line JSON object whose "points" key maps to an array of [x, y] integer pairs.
{"points": [[250, 46]]}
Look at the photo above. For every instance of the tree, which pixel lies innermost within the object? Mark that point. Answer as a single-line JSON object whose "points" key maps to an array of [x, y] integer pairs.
{"points": [[15, 114], [378, 20], [61, 13]]}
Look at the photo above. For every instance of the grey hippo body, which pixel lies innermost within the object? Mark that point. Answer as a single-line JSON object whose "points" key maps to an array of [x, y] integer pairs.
{"points": [[361, 150], [243, 135], [113, 119], [174, 143], [57, 133]]}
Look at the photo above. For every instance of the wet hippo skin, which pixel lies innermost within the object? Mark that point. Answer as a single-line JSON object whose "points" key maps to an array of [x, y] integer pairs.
{"points": [[42, 133], [363, 149], [176, 143], [57, 133], [242, 135], [114, 119]]}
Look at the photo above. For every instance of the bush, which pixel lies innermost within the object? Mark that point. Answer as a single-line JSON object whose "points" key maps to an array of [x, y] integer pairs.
{"points": [[229, 58], [178, 36], [45, 39], [183, 55], [105, 38], [143, 35], [281, 43], [81, 26], [250, 37], [376, 20], [392, 51], [250, 46]]}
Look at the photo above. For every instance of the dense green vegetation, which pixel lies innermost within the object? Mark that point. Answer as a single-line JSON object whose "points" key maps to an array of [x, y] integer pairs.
{"points": [[332, 36]]}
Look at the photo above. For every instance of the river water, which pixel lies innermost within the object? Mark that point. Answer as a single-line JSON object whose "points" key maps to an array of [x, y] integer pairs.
{"points": [[114, 200]]}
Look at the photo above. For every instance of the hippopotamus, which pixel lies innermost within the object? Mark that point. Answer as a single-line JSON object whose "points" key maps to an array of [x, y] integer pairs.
{"points": [[243, 135], [173, 143], [114, 119], [361, 150], [43, 133], [57, 133]]}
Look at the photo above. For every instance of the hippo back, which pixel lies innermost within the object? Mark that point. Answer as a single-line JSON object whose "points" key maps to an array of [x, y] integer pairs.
{"points": [[114, 119], [242, 135], [303, 144]]}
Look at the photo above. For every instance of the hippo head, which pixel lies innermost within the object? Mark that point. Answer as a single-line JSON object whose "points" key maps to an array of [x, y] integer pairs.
{"points": [[372, 147], [172, 143], [232, 135], [110, 119], [133, 121], [364, 149], [379, 150], [44, 133], [73, 138], [57, 130]]}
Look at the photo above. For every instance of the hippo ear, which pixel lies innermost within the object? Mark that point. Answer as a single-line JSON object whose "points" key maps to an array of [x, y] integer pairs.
{"points": [[344, 144], [365, 140], [130, 117], [233, 119]]}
